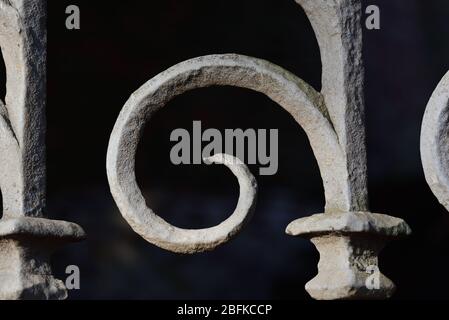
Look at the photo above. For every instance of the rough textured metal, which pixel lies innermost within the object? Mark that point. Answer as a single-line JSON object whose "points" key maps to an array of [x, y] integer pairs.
{"points": [[338, 30], [347, 235], [294, 95], [348, 239], [435, 142], [149, 225], [26, 238], [349, 244]]}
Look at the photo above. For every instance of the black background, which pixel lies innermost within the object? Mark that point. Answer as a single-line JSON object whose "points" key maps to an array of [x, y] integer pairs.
{"points": [[121, 45]]}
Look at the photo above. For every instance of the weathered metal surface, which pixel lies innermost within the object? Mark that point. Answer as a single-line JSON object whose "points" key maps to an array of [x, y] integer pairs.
{"points": [[26, 238], [347, 235], [435, 142]]}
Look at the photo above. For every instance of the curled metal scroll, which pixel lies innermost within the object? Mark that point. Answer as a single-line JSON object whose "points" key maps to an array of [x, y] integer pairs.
{"points": [[334, 123], [294, 95], [435, 142]]}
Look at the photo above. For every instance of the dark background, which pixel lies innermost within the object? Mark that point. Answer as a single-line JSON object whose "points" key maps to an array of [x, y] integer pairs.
{"points": [[121, 45]]}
